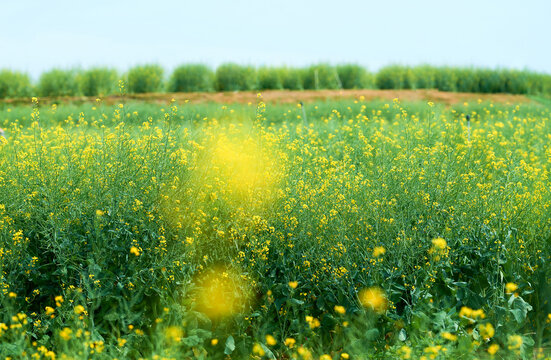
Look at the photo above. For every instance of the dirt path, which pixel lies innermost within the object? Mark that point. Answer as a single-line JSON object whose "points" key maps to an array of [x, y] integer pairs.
{"points": [[289, 96]]}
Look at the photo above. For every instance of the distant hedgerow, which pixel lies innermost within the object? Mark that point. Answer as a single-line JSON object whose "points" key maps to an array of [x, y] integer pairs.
{"points": [[145, 78], [354, 76], [233, 77], [270, 78], [322, 76], [395, 77], [292, 78], [14, 84], [424, 77], [191, 77], [97, 81], [58, 82]]}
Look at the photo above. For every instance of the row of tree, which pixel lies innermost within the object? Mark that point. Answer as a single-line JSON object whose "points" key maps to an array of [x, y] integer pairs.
{"points": [[234, 77]]}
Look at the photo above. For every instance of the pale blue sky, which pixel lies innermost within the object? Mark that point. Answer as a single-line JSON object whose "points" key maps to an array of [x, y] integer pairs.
{"points": [[38, 35]]}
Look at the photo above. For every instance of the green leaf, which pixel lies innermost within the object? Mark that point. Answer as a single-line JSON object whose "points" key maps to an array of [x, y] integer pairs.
{"points": [[202, 333], [193, 340], [294, 301], [268, 352], [230, 345], [402, 335], [320, 303], [518, 314], [371, 334], [112, 316], [527, 341]]}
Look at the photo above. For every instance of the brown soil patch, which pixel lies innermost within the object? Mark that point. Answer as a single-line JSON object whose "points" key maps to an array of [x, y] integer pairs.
{"points": [[289, 96]]}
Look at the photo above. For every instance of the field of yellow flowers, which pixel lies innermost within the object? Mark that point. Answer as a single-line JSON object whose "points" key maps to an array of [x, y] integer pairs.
{"points": [[331, 230]]}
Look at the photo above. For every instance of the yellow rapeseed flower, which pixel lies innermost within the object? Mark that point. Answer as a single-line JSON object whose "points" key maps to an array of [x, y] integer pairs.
{"points": [[449, 336], [312, 322], [270, 340], [467, 312], [511, 287], [478, 314], [79, 309], [493, 349], [439, 243], [290, 342], [514, 341], [487, 330], [304, 353], [135, 251], [405, 352], [293, 284], [221, 292], [373, 298], [174, 333], [378, 251], [340, 309], [258, 350], [49, 310], [66, 333]]}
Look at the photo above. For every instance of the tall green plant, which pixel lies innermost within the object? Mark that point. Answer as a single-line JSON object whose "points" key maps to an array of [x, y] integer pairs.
{"points": [[14, 84], [322, 76], [466, 79], [145, 78], [270, 78], [191, 77], [233, 77], [354, 76], [58, 82], [445, 79], [97, 81], [292, 78], [491, 81], [395, 77], [423, 77]]}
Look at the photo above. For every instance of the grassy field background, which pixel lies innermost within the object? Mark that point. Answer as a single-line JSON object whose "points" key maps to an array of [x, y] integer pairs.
{"points": [[332, 230]]}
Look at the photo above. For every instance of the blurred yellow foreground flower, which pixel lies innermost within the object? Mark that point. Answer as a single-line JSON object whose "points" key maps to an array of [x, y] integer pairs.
{"points": [[221, 293], [373, 298]]}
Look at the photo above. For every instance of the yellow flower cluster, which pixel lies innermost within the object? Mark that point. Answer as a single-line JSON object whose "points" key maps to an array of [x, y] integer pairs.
{"points": [[467, 312]]}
